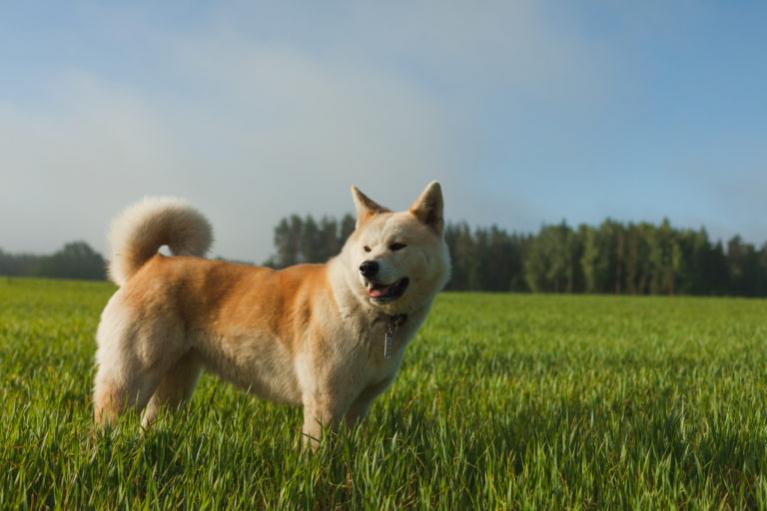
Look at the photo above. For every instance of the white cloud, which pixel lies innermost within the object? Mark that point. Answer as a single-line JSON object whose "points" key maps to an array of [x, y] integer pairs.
{"points": [[522, 46], [290, 136], [63, 168], [252, 129]]}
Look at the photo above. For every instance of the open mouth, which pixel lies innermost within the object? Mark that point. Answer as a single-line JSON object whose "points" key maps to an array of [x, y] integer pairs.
{"points": [[387, 292]]}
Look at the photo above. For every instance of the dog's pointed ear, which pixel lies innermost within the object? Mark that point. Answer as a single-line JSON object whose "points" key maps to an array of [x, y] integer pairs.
{"points": [[428, 207], [366, 207]]}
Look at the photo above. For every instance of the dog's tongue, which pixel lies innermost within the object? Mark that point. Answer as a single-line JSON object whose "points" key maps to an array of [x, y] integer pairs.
{"points": [[378, 291]]}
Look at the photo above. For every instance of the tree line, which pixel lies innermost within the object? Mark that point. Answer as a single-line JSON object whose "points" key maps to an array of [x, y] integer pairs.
{"points": [[305, 240], [75, 260], [613, 257]]}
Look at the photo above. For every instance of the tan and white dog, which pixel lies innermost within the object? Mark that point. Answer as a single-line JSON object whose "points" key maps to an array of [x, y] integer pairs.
{"points": [[329, 337]]}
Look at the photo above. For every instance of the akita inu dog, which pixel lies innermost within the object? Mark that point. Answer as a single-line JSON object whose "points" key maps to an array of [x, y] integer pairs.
{"points": [[329, 337]]}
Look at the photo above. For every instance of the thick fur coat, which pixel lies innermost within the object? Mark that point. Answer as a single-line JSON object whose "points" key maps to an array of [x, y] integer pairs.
{"points": [[310, 335]]}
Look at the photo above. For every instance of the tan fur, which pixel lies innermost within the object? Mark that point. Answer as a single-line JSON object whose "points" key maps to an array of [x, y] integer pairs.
{"points": [[141, 229], [307, 335]]}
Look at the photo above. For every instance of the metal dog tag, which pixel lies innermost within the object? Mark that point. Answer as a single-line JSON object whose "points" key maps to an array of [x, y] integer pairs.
{"points": [[394, 323], [388, 341]]}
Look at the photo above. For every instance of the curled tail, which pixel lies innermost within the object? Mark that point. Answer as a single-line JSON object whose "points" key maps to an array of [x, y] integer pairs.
{"points": [[139, 231]]}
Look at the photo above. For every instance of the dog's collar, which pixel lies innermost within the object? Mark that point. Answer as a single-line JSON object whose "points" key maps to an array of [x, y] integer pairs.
{"points": [[392, 324]]}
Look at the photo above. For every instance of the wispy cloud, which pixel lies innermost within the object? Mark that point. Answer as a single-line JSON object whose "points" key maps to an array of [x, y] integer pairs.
{"points": [[67, 166], [527, 111], [253, 127]]}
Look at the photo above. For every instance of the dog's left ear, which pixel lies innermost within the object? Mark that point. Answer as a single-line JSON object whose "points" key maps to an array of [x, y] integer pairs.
{"points": [[366, 207], [428, 207]]}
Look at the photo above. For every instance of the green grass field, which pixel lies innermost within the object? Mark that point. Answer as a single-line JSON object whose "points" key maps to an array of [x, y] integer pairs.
{"points": [[504, 402]]}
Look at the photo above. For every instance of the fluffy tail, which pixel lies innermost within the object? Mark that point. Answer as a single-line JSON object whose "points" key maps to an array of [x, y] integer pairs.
{"points": [[139, 231]]}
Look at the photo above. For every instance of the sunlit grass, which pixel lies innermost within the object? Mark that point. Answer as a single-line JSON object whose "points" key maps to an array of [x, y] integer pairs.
{"points": [[504, 402]]}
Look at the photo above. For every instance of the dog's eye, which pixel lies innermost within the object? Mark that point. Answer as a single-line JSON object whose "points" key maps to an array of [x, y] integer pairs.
{"points": [[396, 246], [366, 248]]}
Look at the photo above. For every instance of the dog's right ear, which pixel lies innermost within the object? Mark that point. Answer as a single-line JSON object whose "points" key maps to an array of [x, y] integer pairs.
{"points": [[428, 207], [366, 207]]}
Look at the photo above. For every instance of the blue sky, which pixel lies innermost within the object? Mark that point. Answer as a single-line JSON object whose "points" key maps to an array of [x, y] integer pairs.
{"points": [[528, 112]]}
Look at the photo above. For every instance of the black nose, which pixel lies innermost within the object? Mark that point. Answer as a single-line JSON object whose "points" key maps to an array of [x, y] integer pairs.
{"points": [[369, 269]]}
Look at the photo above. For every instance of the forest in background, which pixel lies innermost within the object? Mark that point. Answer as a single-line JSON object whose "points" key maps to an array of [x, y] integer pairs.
{"points": [[611, 258], [75, 260]]}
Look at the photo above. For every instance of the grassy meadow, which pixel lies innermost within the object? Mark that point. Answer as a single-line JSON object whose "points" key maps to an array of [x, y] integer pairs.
{"points": [[503, 402]]}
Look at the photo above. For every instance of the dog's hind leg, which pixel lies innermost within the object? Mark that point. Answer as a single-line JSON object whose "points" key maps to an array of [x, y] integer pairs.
{"points": [[132, 358], [175, 387], [115, 391]]}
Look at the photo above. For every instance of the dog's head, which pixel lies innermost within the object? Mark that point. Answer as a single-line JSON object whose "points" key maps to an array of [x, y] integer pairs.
{"points": [[398, 261]]}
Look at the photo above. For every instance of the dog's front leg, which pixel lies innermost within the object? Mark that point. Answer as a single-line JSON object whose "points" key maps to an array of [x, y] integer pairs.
{"points": [[360, 406], [322, 411]]}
